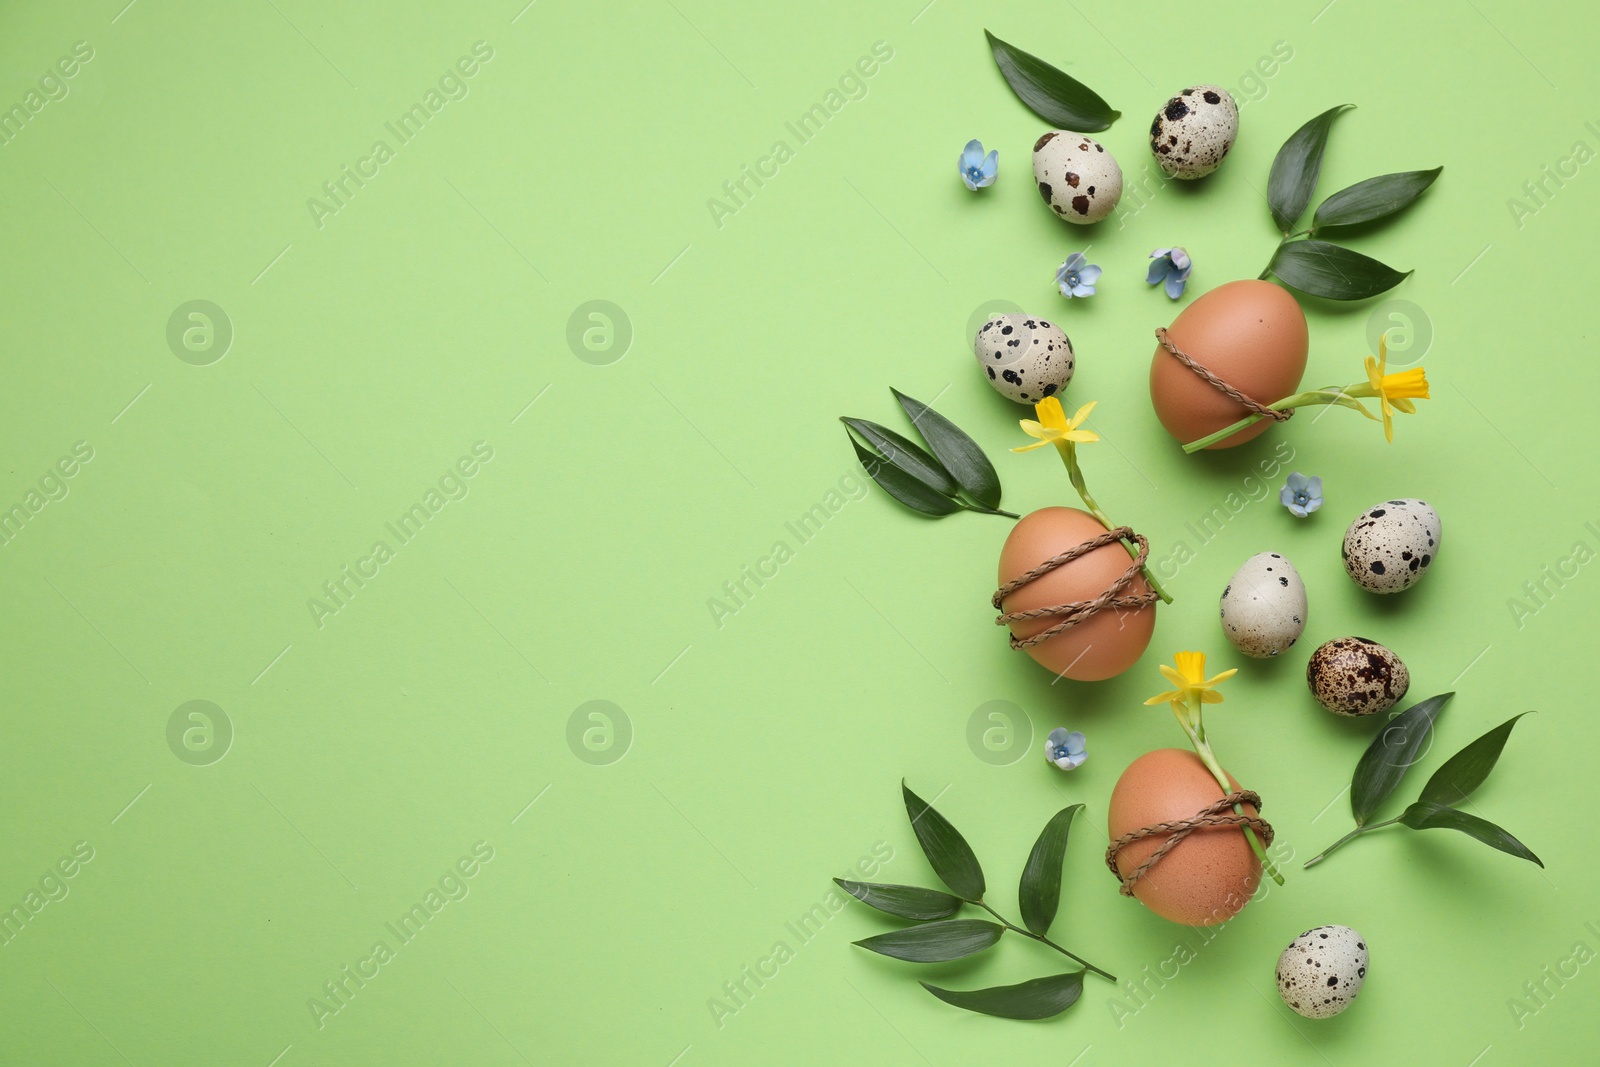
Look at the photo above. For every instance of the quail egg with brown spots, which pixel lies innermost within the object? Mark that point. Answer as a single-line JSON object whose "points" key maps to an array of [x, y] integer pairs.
{"points": [[1077, 177], [1192, 133], [1322, 970], [1025, 357], [1355, 676], [1264, 606], [1390, 546]]}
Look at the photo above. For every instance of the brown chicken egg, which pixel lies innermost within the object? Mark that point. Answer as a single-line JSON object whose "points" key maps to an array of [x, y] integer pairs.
{"points": [[1211, 874], [1105, 644], [1252, 335]]}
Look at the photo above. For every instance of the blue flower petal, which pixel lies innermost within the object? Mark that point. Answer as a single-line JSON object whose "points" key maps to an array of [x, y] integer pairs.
{"points": [[1286, 496], [1091, 273], [972, 155], [1074, 261], [1083, 290], [1175, 284], [1314, 486], [991, 164], [1180, 259], [1297, 511], [1158, 270], [1297, 482], [1077, 744]]}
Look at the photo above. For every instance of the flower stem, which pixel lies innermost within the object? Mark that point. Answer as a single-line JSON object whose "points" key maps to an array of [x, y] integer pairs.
{"points": [[1299, 400], [1108, 976], [1069, 456], [1357, 832], [1195, 728]]}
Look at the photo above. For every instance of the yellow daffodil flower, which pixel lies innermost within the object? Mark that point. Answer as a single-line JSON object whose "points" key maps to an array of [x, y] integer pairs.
{"points": [[1053, 426], [1192, 683], [1394, 391]]}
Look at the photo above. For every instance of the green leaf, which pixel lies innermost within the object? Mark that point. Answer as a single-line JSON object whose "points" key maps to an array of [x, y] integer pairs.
{"points": [[1295, 169], [1466, 770], [900, 485], [1324, 269], [947, 851], [952, 939], [1374, 198], [907, 455], [959, 453], [1040, 892], [1390, 755], [1054, 96], [1425, 816], [906, 901], [1037, 998]]}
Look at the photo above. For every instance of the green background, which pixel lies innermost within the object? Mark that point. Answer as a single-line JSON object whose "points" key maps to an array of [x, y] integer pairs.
{"points": [[643, 857]]}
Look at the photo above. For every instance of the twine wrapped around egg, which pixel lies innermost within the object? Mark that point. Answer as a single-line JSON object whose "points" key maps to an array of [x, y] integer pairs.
{"points": [[1079, 611], [1221, 386], [1218, 813]]}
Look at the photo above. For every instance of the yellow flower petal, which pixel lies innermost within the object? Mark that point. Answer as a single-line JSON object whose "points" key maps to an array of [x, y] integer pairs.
{"points": [[1030, 448], [1050, 413], [1079, 415], [1189, 675]]}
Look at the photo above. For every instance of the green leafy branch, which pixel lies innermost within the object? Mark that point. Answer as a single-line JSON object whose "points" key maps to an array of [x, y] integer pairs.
{"points": [[1394, 750], [940, 938], [954, 476], [1320, 267]]}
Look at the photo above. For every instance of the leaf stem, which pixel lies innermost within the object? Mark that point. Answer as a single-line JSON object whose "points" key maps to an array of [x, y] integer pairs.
{"points": [[1283, 241], [981, 510], [1357, 832], [1069, 456], [1108, 976]]}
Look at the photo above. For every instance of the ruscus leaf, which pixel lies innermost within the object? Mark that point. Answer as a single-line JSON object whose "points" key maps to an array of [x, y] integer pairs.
{"points": [[1390, 755], [900, 485], [959, 453], [1295, 169], [948, 853], [907, 455], [1324, 269], [1053, 95], [1037, 998], [1466, 770], [1039, 893], [1425, 816], [937, 942], [1373, 199], [906, 901]]}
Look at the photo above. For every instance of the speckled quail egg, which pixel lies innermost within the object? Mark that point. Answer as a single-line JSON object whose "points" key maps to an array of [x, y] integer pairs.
{"points": [[1322, 970], [1264, 606], [1390, 546], [1355, 676], [1025, 357], [1076, 176], [1193, 131]]}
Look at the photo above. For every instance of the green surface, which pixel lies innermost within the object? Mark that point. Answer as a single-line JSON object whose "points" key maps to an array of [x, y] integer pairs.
{"points": [[375, 747]]}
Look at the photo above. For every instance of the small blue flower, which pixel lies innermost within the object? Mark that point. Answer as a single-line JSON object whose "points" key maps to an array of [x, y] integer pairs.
{"points": [[1066, 750], [1171, 265], [1301, 495], [1076, 278], [978, 170]]}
